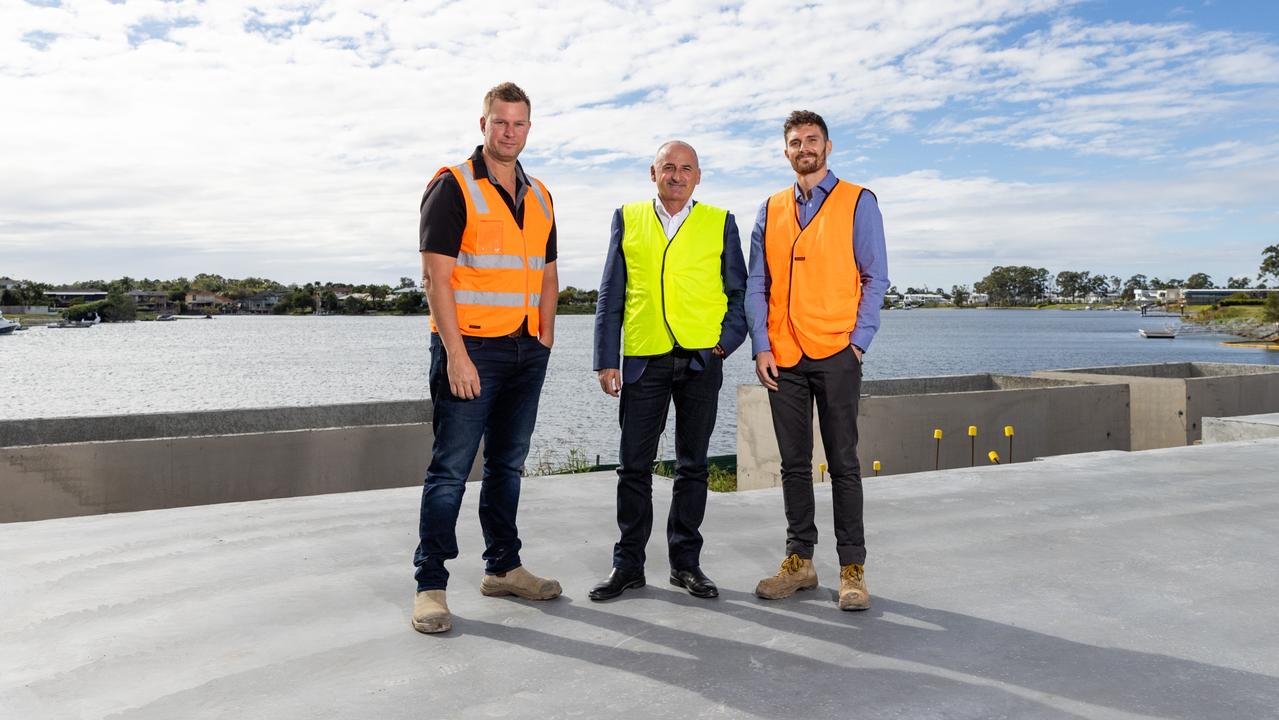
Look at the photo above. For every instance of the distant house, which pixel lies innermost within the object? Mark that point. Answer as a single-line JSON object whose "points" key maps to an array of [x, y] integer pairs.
{"points": [[978, 298], [152, 301], [917, 299], [404, 291], [205, 302], [260, 303], [8, 283], [1207, 296], [1095, 298], [358, 296], [66, 297]]}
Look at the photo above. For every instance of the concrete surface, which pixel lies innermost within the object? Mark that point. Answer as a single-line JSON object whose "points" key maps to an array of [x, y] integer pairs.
{"points": [[50, 431], [896, 419], [1109, 585], [1170, 400], [1246, 427]]}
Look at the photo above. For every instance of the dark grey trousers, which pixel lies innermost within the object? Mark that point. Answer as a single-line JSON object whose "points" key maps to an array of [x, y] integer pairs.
{"points": [[834, 383]]}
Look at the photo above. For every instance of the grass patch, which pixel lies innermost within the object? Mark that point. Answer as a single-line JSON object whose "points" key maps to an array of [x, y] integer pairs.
{"points": [[720, 479], [1234, 312]]}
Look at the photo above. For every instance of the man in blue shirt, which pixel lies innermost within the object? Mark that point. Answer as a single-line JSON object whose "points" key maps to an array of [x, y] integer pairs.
{"points": [[817, 276]]}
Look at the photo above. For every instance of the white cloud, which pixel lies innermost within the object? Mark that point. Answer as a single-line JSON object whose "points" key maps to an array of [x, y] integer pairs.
{"points": [[294, 139]]}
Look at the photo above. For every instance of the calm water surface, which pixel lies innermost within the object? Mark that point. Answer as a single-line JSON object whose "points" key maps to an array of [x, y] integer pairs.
{"points": [[235, 362]]}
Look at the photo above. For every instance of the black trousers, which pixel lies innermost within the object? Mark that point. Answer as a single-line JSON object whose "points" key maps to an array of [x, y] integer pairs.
{"points": [[643, 410], [835, 384]]}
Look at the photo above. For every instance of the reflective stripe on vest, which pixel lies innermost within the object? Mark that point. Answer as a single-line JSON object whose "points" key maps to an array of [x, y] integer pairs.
{"points": [[814, 285], [674, 289], [497, 279]]}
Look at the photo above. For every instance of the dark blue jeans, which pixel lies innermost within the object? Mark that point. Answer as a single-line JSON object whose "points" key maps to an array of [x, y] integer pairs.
{"points": [[643, 409], [511, 373]]}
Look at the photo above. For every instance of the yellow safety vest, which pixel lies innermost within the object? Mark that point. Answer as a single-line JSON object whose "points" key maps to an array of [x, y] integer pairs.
{"points": [[674, 289]]}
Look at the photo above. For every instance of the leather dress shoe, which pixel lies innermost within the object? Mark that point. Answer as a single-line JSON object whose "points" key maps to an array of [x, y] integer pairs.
{"points": [[618, 582], [695, 582]]}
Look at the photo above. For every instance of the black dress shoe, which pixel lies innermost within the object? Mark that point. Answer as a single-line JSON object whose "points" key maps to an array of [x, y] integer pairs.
{"points": [[695, 582], [617, 583]]}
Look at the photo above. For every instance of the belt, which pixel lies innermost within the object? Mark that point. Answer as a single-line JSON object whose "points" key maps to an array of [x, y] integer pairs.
{"points": [[521, 332]]}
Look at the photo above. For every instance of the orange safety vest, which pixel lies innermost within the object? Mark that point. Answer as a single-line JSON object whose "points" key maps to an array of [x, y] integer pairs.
{"points": [[814, 283], [497, 281]]}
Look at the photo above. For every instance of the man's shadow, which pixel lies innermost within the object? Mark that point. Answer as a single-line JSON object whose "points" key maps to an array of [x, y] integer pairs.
{"points": [[769, 680]]}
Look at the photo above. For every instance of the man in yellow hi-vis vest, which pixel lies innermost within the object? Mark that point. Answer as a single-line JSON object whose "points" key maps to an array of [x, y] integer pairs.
{"points": [[488, 264], [671, 303]]}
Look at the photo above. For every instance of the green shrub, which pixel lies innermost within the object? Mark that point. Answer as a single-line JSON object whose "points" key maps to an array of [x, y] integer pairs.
{"points": [[1271, 311]]}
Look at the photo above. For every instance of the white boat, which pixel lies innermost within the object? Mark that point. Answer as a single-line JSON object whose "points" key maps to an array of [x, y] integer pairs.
{"points": [[166, 318], [1165, 334], [8, 326]]}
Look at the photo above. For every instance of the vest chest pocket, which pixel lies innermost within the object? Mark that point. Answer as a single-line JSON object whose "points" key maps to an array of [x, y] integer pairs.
{"points": [[488, 237]]}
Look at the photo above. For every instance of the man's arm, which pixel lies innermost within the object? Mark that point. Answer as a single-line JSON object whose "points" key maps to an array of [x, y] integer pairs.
{"points": [[548, 304], [609, 306], [440, 228], [464, 380], [733, 271], [757, 287], [871, 254]]}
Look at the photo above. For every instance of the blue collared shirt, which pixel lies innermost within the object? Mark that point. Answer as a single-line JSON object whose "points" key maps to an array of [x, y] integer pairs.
{"points": [[611, 303], [868, 249]]}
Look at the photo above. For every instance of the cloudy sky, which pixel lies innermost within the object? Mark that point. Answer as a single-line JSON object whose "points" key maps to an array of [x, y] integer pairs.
{"points": [[293, 140]]}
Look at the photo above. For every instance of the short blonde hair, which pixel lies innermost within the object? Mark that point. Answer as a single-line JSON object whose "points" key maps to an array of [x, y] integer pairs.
{"points": [[506, 92]]}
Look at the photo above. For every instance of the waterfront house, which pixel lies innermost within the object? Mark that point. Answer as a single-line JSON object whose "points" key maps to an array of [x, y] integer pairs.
{"points": [[922, 299], [152, 301], [206, 302], [8, 283], [1207, 296], [260, 303], [66, 297]]}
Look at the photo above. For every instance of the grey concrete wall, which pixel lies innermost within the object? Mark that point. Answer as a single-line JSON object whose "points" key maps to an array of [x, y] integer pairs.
{"points": [[1246, 427], [1170, 400], [48, 481], [48, 431], [58, 467], [896, 420]]}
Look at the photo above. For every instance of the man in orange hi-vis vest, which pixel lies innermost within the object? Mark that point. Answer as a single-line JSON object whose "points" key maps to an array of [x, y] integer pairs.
{"points": [[487, 239], [817, 275]]}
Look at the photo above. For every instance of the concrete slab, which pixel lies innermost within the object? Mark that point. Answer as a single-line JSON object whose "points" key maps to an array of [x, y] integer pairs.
{"points": [[1109, 585], [1245, 427]]}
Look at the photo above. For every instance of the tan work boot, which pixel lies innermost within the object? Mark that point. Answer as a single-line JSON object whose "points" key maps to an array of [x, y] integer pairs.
{"points": [[431, 612], [521, 583], [853, 594], [796, 573]]}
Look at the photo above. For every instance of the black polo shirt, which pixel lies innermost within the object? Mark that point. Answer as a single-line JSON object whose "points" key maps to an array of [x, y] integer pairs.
{"points": [[444, 210]]}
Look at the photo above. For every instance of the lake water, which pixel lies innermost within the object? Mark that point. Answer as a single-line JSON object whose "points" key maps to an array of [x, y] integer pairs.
{"points": [[236, 362]]}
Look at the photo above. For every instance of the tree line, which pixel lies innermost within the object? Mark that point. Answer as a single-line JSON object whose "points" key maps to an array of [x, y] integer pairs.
{"points": [[294, 299], [1025, 285]]}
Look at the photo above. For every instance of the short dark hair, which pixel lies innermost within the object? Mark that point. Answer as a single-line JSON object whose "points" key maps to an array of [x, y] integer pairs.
{"points": [[506, 92], [805, 117]]}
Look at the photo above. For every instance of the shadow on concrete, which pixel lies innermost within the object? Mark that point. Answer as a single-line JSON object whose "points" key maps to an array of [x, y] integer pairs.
{"points": [[944, 659]]}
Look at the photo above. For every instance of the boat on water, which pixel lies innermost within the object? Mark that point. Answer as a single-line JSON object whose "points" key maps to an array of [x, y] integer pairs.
{"points": [[166, 318], [8, 326], [1165, 334]]}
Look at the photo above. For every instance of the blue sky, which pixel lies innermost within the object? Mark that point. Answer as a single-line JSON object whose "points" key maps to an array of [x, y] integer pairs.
{"points": [[165, 138]]}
